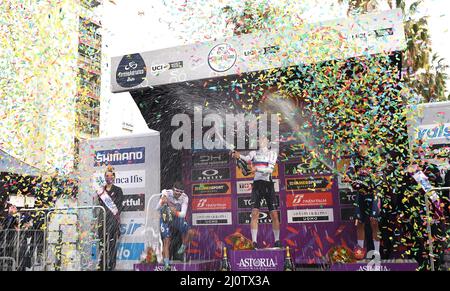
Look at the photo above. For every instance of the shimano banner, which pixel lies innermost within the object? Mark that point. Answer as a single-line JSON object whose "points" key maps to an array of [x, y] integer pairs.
{"points": [[136, 161]]}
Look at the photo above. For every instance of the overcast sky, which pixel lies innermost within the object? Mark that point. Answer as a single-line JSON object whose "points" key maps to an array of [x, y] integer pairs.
{"points": [[131, 26]]}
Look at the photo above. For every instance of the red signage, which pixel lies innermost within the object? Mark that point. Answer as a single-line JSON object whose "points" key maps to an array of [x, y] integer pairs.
{"points": [[309, 199], [211, 203]]}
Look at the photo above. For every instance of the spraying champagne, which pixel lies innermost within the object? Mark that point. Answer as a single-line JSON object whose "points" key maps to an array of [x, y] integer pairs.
{"points": [[242, 165]]}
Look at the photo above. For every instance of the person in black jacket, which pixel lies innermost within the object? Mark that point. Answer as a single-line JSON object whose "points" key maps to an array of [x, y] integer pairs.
{"points": [[446, 193], [415, 216], [447, 177], [10, 226], [26, 236], [110, 197], [367, 204]]}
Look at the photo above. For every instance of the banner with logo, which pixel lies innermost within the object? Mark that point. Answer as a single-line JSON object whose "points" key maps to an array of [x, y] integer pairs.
{"points": [[136, 161], [262, 260], [431, 123], [312, 220], [430, 126], [345, 38]]}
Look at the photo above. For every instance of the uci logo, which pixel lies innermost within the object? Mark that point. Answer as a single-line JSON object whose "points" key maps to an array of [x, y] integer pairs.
{"points": [[201, 203], [156, 69]]}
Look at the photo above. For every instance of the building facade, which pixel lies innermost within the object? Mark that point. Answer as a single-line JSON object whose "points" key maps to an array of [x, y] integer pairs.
{"points": [[50, 69]]}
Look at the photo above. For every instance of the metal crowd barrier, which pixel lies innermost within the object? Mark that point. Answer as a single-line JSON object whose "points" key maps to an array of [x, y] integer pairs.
{"points": [[20, 247], [49, 211], [429, 221], [60, 234], [13, 263]]}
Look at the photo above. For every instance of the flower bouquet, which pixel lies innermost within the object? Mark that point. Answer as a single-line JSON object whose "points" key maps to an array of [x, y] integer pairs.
{"points": [[149, 256], [239, 242], [340, 254]]}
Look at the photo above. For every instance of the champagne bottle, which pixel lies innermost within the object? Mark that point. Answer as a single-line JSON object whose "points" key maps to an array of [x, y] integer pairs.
{"points": [[288, 264], [166, 214], [225, 264], [243, 166]]}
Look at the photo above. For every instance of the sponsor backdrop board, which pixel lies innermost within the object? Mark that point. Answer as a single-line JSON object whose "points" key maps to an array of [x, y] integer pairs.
{"points": [[310, 205], [260, 51], [136, 160], [309, 208], [430, 125]]}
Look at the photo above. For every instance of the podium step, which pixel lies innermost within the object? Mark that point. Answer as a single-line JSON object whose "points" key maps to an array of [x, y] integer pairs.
{"points": [[271, 259], [194, 265], [384, 265]]}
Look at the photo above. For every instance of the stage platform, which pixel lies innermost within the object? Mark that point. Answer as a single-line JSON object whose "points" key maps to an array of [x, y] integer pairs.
{"points": [[197, 265], [247, 260], [385, 265], [258, 260]]}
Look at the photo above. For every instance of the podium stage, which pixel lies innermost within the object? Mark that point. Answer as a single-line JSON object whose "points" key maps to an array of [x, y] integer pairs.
{"points": [[246, 260], [205, 265], [385, 265], [258, 260]]}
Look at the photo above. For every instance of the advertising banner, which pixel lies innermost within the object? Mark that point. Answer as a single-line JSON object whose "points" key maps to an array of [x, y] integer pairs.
{"points": [[136, 161], [344, 38], [382, 266], [429, 125], [309, 208], [260, 260]]}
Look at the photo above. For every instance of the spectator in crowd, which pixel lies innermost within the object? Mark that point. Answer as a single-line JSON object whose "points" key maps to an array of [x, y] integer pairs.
{"points": [[415, 218], [10, 225], [25, 247]]}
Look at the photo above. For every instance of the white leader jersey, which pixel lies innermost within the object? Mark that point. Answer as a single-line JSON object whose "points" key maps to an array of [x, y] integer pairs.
{"points": [[264, 161], [181, 204]]}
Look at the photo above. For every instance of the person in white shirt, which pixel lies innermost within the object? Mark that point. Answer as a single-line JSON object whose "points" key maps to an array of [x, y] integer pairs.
{"points": [[262, 163], [173, 206]]}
